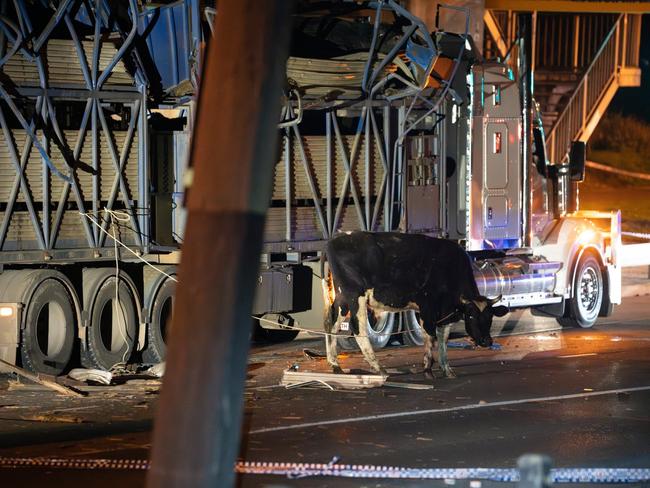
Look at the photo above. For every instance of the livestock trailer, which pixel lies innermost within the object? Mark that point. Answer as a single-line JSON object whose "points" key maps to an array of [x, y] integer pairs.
{"points": [[384, 126]]}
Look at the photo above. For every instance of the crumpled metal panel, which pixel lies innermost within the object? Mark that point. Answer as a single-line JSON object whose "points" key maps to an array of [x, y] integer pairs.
{"points": [[172, 36]]}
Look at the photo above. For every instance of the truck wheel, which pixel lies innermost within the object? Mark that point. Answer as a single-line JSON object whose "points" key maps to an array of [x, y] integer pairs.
{"points": [[48, 337], [412, 331], [588, 289], [380, 329], [161, 320], [110, 336], [274, 336]]}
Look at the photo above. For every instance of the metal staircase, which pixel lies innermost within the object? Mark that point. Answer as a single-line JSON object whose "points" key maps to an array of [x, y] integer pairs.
{"points": [[581, 59]]}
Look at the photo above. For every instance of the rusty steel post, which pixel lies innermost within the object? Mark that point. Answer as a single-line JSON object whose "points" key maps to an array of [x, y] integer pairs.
{"points": [[197, 425]]}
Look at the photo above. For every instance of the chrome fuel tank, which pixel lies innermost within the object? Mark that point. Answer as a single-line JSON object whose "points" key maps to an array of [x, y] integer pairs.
{"points": [[515, 276]]}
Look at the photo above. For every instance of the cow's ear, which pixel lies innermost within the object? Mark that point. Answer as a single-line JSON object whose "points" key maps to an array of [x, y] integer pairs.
{"points": [[500, 311]]}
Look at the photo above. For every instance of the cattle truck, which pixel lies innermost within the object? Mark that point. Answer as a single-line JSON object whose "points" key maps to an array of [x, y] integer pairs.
{"points": [[384, 126]]}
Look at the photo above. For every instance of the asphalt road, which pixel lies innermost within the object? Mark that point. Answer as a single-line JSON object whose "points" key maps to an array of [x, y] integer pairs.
{"points": [[580, 396]]}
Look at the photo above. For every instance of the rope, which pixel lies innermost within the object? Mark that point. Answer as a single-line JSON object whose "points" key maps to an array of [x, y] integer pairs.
{"points": [[639, 235], [301, 470], [323, 333], [124, 217], [119, 310], [623, 172], [90, 217]]}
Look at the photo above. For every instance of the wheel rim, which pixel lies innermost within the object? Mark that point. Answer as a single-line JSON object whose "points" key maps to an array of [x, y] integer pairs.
{"points": [[51, 329], [589, 292], [378, 325], [413, 328], [113, 326], [165, 318]]}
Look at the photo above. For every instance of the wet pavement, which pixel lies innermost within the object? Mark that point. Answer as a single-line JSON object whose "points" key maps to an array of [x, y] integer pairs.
{"points": [[577, 395]]}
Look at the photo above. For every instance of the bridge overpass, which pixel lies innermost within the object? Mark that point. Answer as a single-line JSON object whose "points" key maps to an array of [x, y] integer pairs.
{"points": [[584, 51]]}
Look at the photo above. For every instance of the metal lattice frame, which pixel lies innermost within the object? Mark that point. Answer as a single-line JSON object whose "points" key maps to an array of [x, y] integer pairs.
{"points": [[328, 203], [18, 40]]}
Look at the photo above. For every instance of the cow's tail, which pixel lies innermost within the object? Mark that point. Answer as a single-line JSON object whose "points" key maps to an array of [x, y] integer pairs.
{"points": [[329, 294]]}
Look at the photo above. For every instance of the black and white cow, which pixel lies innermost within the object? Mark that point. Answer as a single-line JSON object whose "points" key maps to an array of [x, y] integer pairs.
{"points": [[394, 272]]}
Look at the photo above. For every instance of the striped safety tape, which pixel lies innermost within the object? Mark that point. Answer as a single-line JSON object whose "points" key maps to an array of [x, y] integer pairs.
{"points": [[299, 470]]}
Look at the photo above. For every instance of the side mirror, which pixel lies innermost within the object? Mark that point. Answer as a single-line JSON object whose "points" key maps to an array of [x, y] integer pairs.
{"points": [[539, 152], [577, 160]]}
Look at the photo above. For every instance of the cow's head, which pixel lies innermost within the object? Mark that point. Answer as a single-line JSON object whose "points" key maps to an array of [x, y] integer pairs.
{"points": [[478, 314]]}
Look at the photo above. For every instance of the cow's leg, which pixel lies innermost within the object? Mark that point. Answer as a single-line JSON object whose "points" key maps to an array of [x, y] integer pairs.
{"points": [[428, 353], [331, 343], [428, 349], [442, 334], [362, 337]]}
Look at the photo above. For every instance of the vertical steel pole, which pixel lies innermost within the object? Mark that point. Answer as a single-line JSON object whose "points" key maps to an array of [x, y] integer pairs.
{"points": [[388, 198], [443, 209], [288, 235], [197, 427], [576, 40], [524, 23], [367, 173], [330, 170]]}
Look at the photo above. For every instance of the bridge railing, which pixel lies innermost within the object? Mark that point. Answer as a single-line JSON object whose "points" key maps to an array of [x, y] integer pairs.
{"points": [[581, 114]]}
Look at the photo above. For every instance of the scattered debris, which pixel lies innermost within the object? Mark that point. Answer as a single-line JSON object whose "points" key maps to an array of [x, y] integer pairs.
{"points": [[310, 383], [51, 418], [396, 371], [146, 382], [96, 375], [291, 379], [40, 379], [408, 386], [157, 370], [311, 354]]}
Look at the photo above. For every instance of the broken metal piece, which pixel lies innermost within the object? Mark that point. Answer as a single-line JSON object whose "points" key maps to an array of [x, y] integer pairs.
{"points": [[408, 386], [41, 380], [96, 375], [311, 354], [157, 370]]}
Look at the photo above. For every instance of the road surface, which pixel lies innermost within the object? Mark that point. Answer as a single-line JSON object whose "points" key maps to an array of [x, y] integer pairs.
{"points": [[579, 396]]}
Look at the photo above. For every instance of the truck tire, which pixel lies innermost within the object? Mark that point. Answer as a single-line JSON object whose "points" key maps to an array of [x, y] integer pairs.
{"points": [[412, 331], [159, 327], [110, 337], [588, 291], [47, 339], [379, 332]]}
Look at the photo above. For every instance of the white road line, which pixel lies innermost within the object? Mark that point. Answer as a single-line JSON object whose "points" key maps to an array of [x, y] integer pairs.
{"points": [[449, 409]]}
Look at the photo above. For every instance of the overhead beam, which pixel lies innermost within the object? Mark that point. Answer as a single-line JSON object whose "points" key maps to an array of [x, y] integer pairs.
{"points": [[577, 6]]}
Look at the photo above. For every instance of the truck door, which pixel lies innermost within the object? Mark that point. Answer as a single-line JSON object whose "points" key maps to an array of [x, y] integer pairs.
{"points": [[501, 190]]}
